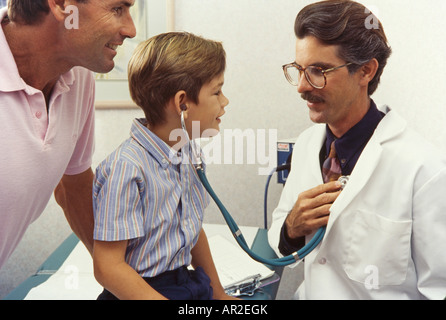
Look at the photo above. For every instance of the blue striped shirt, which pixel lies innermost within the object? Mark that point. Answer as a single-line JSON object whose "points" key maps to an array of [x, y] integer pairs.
{"points": [[141, 195]]}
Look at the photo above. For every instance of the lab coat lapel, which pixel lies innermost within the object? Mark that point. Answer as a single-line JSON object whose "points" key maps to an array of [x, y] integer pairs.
{"points": [[391, 126], [315, 145], [364, 169]]}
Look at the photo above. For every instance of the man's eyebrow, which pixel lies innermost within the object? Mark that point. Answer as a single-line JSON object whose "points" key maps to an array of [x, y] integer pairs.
{"points": [[322, 65], [127, 3]]}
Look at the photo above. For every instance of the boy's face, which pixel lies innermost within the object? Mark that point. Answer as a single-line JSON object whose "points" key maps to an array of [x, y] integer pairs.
{"points": [[210, 107]]}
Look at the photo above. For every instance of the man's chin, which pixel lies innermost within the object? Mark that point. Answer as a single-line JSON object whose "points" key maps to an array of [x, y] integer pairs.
{"points": [[102, 68], [317, 117]]}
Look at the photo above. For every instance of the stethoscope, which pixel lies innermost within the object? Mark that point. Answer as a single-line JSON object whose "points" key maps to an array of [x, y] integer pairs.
{"points": [[235, 230]]}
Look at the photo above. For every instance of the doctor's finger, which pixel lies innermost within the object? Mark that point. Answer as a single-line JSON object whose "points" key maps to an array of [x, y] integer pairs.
{"points": [[325, 198], [304, 204], [320, 222], [316, 213], [313, 220], [321, 189]]}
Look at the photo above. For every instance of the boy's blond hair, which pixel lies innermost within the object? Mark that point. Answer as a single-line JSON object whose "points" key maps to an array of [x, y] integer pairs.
{"points": [[170, 62]]}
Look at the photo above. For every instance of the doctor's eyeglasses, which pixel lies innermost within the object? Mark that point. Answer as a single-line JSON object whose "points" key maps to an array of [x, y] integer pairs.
{"points": [[316, 76]]}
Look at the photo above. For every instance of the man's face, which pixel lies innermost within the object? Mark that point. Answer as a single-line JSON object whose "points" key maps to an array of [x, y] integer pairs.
{"points": [[334, 104], [103, 26]]}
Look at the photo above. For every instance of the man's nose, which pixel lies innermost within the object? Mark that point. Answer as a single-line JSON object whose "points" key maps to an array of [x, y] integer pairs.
{"points": [[128, 30], [304, 85]]}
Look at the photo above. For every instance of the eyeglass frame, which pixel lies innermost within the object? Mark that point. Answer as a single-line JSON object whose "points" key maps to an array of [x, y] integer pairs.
{"points": [[302, 69]]}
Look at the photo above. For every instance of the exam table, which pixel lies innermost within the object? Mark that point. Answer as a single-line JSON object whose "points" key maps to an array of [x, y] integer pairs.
{"points": [[67, 273]]}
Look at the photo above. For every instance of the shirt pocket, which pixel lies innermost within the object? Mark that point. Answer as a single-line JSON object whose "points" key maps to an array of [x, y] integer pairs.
{"points": [[378, 247]]}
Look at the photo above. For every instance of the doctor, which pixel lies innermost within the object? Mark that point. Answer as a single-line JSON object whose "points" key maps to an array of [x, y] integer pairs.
{"points": [[387, 229]]}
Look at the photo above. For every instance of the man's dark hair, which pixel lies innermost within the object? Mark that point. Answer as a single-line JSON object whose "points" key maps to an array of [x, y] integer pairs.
{"points": [[346, 24], [29, 11]]}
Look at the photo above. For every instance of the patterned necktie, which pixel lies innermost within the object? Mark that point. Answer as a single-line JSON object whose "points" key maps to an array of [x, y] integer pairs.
{"points": [[331, 169]]}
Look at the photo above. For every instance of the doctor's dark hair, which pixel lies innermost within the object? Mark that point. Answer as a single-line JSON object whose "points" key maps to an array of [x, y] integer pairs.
{"points": [[347, 24], [29, 12], [170, 62]]}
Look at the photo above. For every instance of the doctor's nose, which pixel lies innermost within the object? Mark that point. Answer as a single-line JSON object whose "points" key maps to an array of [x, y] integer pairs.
{"points": [[304, 85]]}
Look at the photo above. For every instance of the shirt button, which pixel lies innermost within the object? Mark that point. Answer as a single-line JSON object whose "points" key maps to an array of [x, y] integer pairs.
{"points": [[322, 261], [38, 114]]}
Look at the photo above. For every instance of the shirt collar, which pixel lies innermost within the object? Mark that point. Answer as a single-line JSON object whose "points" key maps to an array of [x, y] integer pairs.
{"points": [[351, 144], [159, 150]]}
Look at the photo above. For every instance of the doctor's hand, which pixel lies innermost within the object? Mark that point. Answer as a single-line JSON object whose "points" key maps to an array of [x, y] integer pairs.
{"points": [[311, 210]]}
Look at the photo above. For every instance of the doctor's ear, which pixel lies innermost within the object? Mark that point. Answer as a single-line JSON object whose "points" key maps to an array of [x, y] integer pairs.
{"points": [[368, 71]]}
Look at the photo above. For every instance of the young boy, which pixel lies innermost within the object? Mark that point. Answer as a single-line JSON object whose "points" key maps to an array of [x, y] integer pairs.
{"points": [[148, 205]]}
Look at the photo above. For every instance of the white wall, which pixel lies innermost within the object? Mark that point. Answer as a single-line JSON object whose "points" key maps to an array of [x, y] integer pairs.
{"points": [[414, 82]]}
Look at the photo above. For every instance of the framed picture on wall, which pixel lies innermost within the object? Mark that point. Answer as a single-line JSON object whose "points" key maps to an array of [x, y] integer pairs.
{"points": [[139, 15]]}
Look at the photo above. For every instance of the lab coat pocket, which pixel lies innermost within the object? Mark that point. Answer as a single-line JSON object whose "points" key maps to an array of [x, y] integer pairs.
{"points": [[378, 249]]}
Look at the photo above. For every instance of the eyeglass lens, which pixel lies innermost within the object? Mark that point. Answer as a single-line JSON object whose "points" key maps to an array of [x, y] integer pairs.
{"points": [[314, 75]]}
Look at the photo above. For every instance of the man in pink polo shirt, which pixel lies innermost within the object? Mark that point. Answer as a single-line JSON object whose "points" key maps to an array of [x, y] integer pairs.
{"points": [[47, 107]]}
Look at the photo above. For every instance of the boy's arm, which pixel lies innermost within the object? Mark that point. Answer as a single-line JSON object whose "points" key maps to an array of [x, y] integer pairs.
{"points": [[114, 274], [201, 257]]}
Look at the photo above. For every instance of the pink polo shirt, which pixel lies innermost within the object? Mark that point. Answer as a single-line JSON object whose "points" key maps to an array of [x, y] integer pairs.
{"points": [[38, 148]]}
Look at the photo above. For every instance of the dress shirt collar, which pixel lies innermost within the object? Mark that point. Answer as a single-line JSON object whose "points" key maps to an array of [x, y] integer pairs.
{"points": [[159, 150], [351, 144]]}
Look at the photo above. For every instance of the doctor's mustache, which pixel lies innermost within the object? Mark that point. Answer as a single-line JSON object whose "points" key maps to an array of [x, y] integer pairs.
{"points": [[311, 98]]}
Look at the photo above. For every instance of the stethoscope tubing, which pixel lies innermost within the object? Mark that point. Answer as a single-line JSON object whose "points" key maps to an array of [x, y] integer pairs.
{"points": [[279, 262]]}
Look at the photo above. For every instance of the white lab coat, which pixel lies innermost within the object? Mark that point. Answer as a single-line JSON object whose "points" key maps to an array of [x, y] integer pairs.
{"points": [[386, 236]]}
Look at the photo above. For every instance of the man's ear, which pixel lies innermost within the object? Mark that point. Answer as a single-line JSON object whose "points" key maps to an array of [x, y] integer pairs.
{"points": [[368, 71], [57, 8]]}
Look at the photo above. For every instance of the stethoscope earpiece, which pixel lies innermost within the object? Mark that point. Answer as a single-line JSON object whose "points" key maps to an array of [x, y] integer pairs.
{"points": [[183, 107]]}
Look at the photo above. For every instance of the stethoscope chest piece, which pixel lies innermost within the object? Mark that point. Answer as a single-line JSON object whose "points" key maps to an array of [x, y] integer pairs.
{"points": [[343, 180]]}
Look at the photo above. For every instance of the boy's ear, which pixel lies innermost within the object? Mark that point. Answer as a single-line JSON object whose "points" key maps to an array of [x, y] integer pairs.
{"points": [[181, 102], [57, 8]]}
